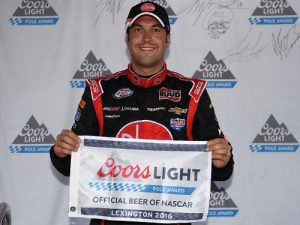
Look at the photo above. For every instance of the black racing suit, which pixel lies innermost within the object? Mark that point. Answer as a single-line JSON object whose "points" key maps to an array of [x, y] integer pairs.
{"points": [[165, 106]]}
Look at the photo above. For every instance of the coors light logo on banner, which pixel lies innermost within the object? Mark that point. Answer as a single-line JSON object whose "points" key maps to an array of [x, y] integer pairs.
{"points": [[89, 69], [216, 73], [171, 13], [220, 204], [108, 169], [273, 12], [274, 137], [33, 138], [34, 12]]}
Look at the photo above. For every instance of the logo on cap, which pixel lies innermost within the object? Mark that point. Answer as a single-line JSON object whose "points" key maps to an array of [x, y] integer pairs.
{"points": [[148, 7]]}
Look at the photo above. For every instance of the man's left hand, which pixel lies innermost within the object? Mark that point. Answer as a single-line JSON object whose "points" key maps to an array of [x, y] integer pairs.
{"points": [[221, 151]]}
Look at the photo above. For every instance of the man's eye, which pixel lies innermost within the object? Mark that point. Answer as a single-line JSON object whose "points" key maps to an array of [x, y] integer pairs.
{"points": [[156, 30], [137, 29]]}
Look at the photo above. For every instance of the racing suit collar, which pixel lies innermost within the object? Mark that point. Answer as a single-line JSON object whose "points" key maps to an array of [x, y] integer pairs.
{"points": [[153, 80]]}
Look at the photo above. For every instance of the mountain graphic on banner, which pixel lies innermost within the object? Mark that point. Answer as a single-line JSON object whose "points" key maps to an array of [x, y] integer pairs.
{"points": [[273, 132], [273, 8], [211, 69], [35, 8], [33, 133], [91, 68]]}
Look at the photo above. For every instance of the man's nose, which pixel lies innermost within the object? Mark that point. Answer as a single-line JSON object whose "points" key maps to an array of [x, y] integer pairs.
{"points": [[147, 35]]}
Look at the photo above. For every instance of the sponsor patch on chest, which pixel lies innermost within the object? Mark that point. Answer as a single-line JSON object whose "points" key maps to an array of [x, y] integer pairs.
{"points": [[123, 93], [169, 94], [177, 124]]}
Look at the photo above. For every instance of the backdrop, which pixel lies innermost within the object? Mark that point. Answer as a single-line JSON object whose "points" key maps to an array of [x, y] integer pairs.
{"points": [[247, 50]]}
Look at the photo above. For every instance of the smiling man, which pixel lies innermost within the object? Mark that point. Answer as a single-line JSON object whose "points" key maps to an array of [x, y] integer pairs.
{"points": [[147, 42], [146, 101]]}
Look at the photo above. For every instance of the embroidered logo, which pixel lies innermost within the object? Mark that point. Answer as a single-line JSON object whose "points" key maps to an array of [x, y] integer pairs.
{"points": [[177, 111], [177, 124], [163, 3], [168, 94], [145, 129], [123, 93], [156, 109], [112, 109], [148, 7]]}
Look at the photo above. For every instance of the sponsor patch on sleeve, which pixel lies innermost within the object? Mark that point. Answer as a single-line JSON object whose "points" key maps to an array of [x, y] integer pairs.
{"points": [[77, 115], [82, 104]]}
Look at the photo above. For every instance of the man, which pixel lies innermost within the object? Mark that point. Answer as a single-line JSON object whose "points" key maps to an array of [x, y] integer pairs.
{"points": [[146, 100]]}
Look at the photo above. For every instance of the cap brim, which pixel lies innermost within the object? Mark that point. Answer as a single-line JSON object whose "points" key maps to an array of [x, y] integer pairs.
{"points": [[130, 22]]}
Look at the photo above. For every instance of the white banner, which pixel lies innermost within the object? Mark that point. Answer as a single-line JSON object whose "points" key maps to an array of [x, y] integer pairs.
{"points": [[140, 180]]}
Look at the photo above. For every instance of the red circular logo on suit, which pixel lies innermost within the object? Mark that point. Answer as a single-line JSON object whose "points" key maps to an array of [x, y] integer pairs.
{"points": [[145, 129]]}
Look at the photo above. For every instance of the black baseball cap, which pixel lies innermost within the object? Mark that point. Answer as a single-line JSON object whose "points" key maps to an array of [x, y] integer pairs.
{"points": [[151, 9]]}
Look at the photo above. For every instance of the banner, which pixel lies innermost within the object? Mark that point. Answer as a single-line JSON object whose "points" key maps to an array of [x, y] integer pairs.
{"points": [[140, 180]]}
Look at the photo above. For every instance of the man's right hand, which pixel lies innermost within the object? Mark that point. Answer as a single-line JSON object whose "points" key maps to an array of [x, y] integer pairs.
{"points": [[66, 143]]}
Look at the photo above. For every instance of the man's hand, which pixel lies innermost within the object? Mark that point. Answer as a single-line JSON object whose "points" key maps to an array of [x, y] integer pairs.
{"points": [[221, 151], [66, 142]]}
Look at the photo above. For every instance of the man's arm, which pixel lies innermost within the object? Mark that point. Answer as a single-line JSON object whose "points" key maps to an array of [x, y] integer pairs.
{"points": [[86, 123], [206, 128]]}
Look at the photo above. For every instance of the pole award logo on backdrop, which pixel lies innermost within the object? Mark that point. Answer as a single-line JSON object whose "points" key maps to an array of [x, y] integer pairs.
{"points": [[34, 12], [220, 204], [90, 68], [274, 137], [273, 12], [33, 138], [172, 16], [215, 72]]}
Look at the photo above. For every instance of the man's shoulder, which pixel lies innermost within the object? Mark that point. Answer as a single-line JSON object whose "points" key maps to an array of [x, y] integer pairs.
{"points": [[197, 85], [95, 84], [184, 77], [109, 77]]}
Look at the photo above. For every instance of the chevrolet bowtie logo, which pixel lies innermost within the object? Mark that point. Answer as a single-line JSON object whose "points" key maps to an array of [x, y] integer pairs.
{"points": [[177, 111]]}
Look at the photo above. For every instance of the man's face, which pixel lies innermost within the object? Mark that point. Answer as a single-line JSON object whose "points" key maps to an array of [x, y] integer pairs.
{"points": [[147, 42]]}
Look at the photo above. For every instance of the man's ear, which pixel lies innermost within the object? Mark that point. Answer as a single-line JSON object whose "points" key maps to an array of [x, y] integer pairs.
{"points": [[168, 40], [126, 39]]}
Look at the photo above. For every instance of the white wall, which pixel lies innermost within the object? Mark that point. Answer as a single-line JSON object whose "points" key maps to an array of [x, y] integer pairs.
{"points": [[38, 62]]}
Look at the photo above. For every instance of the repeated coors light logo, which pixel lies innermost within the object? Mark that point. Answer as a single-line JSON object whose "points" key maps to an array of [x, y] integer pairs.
{"points": [[32, 135], [34, 7], [94, 70], [212, 70], [273, 7], [148, 7], [274, 134]]}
